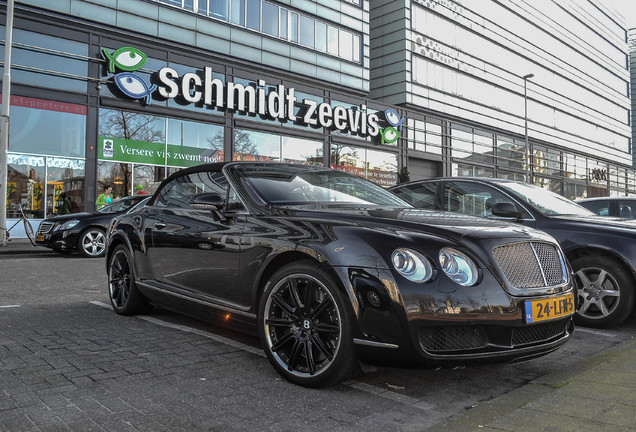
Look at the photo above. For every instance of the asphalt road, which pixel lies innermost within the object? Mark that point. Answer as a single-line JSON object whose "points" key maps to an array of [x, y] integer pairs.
{"points": [[68, 362]]}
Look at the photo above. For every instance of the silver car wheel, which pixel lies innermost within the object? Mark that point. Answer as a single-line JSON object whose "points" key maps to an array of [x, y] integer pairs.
{"points": [[92, 243]]}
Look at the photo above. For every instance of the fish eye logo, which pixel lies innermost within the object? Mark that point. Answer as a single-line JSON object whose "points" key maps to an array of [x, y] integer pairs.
{"points": [[128, 60], [392, 133]]}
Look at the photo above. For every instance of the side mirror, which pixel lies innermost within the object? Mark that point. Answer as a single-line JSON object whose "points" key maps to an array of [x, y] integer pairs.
{"points": [[207, 201], [213, 202], [506, 209]]}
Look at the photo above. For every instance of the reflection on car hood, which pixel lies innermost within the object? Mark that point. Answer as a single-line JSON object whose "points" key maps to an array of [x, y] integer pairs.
{"points": [[439, 222], [70, 216], [598, 221]]}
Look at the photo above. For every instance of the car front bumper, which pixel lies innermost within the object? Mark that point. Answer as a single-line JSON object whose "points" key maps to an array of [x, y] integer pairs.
{"points": [[431, 322], [61, 240]]}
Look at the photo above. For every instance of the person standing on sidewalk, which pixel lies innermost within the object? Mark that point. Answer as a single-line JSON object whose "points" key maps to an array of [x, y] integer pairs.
{"points": [[105, 198], [64, 204]]}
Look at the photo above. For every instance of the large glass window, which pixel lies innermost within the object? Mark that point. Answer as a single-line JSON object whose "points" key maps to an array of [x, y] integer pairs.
{"points": [[321, 36], [546, 161], [36, 183], [218, 9], [140, 149], [237, 12], [131, 126], [346, 45], [116, 175], [59, 63], [254, 14], [25, 185], [425, 135], [47, 127], [64, 175], [377, 166], [511, 153], [260, 146], [307, 32], [269, 18]]}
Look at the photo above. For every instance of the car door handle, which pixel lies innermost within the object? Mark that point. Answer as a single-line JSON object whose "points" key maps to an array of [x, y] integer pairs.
{"points": [[160, 225]]}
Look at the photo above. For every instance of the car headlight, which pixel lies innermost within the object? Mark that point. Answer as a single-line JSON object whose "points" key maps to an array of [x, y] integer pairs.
{"points": [[412, 265], [68, 224], [458, 267]]}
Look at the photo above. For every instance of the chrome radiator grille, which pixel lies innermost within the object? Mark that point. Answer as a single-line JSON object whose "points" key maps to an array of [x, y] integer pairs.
{"points": [[45, 227], [531, 264]]}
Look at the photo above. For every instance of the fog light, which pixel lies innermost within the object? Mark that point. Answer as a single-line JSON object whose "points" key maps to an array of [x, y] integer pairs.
{"points": [[373, 298]]}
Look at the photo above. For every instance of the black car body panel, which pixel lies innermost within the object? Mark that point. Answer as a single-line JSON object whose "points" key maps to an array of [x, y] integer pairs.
{"points": [[583, 234], [218, 263]]}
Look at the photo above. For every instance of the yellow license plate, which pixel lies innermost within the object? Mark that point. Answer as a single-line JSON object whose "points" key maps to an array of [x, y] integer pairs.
{"points": [[39, 237], [547, 309]]}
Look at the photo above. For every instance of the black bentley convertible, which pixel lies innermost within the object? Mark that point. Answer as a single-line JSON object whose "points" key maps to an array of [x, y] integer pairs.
{"points": [[327, 266]]}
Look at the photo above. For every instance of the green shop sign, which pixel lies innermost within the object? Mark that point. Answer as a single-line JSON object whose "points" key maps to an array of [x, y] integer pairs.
{"points": [[149, 153]]}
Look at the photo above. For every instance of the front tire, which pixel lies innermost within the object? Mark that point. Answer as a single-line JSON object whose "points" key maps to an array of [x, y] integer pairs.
{"points": [[604, 289], [92, 243], [122, 289], [305, 327]]}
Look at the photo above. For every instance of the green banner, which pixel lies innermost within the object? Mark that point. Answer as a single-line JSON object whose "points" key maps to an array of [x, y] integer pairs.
{"points": [[141, 152]]}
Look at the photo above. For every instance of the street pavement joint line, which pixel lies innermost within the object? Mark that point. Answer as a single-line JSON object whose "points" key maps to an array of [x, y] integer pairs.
{"points": [[596, 332], [186, 329], [388, 394], [9, 306]]}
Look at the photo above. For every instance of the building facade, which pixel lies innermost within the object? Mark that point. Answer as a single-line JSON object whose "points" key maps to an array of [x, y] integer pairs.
{"points": [[632, 71], [472, 73], [124, 92]]}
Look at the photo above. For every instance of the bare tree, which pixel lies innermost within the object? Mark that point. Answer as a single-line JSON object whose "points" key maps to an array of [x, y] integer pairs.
{"points": [[129, 126], [340, 152], [242, 142]]}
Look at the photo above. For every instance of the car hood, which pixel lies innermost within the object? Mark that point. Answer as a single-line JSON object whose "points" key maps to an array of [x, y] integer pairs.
{"points": [[71, 216], [445, 224], [598, 222]]}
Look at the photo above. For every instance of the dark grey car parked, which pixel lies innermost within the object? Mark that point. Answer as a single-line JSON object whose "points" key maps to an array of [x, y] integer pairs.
{"points": [[601, 250], [622, 207]]}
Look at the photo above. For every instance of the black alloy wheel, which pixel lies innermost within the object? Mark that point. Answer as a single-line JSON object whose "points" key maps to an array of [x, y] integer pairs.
{"points": [[605, 291], [305, 326], [122, 291], [92, 243]]}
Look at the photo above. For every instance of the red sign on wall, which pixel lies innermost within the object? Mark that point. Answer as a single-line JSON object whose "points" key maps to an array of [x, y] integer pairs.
{"points": [[47, 105]]}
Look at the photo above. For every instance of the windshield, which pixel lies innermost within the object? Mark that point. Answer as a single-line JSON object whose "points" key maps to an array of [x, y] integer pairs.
{"points": [[545, 201], [120, 205], [291, 185]]}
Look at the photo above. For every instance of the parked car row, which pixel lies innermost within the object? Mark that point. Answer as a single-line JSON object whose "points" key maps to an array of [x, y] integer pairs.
{"points": [[327, 267]]}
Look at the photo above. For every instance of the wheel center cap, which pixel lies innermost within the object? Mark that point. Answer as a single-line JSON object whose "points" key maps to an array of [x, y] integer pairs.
{"points": [[306, 324]]}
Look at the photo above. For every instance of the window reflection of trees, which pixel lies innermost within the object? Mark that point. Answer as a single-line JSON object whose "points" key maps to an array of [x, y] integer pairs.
{"points": [[130, 126]]}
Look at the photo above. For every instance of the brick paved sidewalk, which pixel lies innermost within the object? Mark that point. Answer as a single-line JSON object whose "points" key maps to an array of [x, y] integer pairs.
{"points": [[597, 395]]}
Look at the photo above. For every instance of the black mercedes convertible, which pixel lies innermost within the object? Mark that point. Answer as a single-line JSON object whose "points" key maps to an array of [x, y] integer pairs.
{"points": [[327, 267]]}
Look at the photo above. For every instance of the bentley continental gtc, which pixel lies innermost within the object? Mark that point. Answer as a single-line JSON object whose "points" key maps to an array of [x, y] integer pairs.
{"points": [[328, 268]]}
